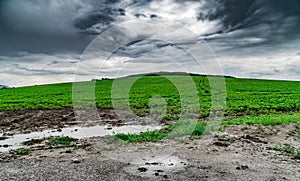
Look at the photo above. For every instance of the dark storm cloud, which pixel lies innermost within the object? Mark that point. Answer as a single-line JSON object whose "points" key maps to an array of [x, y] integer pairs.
{"points": [[144, 47], [51, 26], [232, 12], [273, 21], [103, 16], [64, 26], [41, 26], [51, 34]]}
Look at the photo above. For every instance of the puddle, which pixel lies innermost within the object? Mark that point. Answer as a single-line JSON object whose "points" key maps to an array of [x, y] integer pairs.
{"points": [[156, 166], [76, 132]]}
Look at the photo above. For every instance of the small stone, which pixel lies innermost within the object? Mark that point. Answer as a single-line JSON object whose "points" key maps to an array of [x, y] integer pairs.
{"points": [[153, 163], [156, 174], [142, 169], [244, 167], [3, 137], [76, 160]]}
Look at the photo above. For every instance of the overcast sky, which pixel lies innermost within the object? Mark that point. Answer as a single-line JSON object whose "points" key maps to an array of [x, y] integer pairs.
{"points": [[42, 41]]}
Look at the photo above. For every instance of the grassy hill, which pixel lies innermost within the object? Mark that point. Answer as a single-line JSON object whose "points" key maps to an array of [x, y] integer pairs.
{"points": [[244, 96]]}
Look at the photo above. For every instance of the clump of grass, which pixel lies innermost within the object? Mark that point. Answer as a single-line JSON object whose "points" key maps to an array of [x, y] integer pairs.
{"points": [[287, 149], [265, 120], [187, 127], [199, 129], [22, 151], [152, 136], [296, 155], [63, 140]]}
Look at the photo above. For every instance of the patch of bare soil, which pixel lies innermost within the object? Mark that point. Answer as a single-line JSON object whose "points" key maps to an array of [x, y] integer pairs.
{"points": [[240, 153], [13, 122]]}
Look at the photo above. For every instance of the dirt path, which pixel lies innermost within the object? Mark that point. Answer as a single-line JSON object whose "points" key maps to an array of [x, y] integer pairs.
{"points": [[240, 153]]}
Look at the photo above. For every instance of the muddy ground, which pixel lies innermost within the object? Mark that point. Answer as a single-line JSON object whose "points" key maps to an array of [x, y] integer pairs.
{"points": [[239, 153], [26, 121]]}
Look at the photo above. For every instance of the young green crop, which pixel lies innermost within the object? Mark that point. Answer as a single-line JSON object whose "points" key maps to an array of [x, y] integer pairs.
{"points": [[244, 96], [265, 120]]}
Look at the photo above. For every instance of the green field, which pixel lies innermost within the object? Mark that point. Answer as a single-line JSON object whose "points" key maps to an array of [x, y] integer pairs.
{"points": [[244, 96]]}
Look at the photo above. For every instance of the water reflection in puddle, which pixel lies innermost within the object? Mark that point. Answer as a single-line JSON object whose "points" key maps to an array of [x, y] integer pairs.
{"points": [[76, 132]]}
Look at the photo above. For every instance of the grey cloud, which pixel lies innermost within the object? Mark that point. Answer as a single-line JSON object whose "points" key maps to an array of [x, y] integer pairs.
{"points": [[153, 16], [55, 62], [30, 71], [293, 67], [262, 74], [92, 19], [234, 13], [161, 45], [103, 16], [56, 26], [149, 60], [138, 15], [41, 26], [274, 21], [145, 47], [43, 32]]}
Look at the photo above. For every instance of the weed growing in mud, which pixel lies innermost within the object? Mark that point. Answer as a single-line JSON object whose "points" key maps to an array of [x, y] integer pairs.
{"points": [[55, 143], [22, 151], [287, 149], [63, 140]]}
